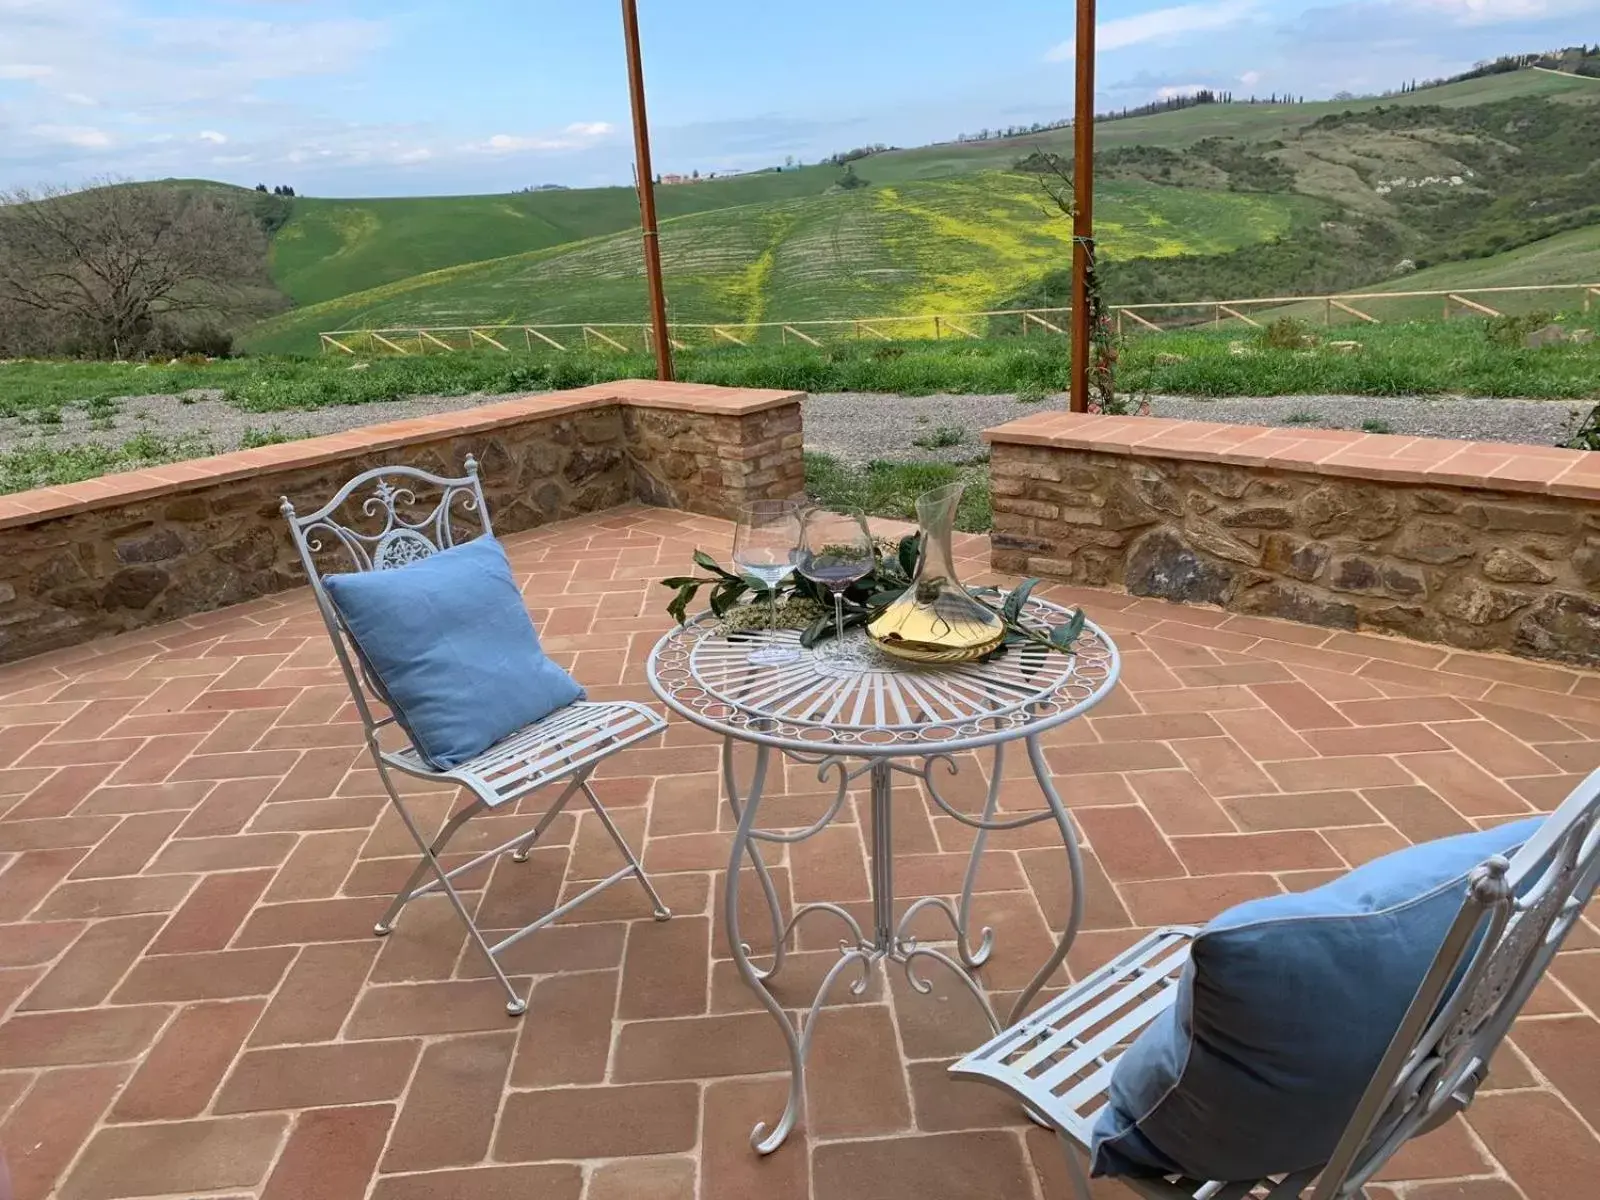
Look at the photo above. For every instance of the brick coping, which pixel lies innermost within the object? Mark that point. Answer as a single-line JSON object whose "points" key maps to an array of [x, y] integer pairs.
{"points": [[1501, 466], [109, 491]]}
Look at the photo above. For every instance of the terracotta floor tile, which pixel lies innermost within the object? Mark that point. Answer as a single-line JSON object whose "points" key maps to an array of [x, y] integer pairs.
{"points": [[190, 875], [1536, 1137], [642, 1179], [552, 1181], [309, 1076], [961, 1166], [200, 1156], [330, 1154], [450, 1106], [599, 1122]]}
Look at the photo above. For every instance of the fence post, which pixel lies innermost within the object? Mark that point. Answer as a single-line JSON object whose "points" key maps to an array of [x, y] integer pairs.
{"points": [[1218, 322], [1327, 316], [937, 333]]}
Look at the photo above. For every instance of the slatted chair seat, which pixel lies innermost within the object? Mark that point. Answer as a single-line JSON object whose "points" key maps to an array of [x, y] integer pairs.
{"points": [[1059, 1059], [566, 741]]}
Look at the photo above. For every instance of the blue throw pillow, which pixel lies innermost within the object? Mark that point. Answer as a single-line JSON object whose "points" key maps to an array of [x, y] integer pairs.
{"points": [[1282, 1016], [453, 648]]}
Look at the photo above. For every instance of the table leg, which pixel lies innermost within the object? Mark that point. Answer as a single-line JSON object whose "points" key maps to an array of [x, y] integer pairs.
{"points": [[763, 876], [861, 952], [1074, 916]]}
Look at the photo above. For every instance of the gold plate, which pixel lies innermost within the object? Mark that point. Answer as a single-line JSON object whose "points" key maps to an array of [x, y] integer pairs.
{"points": [[911, 652]]}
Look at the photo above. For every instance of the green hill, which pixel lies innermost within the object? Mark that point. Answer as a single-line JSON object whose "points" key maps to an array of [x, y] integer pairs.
{"points": [[331, 248], [1184, 127], [942, 246], [1217, 199]]}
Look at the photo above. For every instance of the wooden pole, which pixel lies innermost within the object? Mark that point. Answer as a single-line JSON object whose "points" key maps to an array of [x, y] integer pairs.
{"points": [[1083, 219], [647, 193]]}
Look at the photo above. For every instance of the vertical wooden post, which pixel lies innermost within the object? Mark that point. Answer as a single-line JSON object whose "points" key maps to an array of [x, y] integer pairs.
{"points": [[647, 192], [937, 334], [1327, 316], [1083, 219]]}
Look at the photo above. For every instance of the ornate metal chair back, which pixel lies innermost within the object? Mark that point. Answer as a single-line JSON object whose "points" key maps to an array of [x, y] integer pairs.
{"points": [[376, 522], [1514, 919]]}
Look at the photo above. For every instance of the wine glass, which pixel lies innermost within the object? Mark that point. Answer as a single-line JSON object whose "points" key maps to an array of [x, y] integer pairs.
{"points": [[766, 542], [836, 550]]}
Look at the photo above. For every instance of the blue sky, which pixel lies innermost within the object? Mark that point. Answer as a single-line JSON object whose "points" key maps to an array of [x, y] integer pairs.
{"points": [[390, 97]]}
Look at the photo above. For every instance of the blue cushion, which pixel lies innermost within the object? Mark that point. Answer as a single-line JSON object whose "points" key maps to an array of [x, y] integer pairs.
{"points": [[1282, 1016], [453, 648]]}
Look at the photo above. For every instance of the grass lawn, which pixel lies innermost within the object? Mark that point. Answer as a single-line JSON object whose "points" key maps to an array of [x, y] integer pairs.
{"points": [[1421, 358], [1393, 360], [884, 489]]}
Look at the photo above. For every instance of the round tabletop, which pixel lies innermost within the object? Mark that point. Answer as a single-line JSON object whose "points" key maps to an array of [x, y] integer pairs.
{"points": [[851, 698]]}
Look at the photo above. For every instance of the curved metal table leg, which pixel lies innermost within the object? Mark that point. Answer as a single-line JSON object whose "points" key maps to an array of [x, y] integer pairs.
{"points": [[764, 1141], [1069, 837], [976, 958], [763, 875]]}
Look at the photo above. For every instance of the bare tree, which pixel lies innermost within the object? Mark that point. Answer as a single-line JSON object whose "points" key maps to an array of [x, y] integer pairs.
{"points": [[114, 265]]}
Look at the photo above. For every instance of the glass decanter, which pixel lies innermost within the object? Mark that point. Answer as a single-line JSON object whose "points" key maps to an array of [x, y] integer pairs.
{"points": [[936, 620]]}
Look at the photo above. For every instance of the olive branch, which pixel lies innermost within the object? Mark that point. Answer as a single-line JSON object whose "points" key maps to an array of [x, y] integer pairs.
{"points": [[894, 567]]}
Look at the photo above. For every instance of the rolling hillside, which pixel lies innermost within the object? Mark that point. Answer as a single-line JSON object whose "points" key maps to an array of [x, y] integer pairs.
{"points": [[334, 247], [1251, 122], [1190, 201], [931, 247]]}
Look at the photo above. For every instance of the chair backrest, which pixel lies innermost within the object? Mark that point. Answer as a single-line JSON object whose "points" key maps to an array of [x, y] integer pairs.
{"points": [[1513, 920], [375, 522]]}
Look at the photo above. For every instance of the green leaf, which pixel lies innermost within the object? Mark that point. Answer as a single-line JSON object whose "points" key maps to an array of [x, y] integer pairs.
{"points": [[759, 586], [816, 631], [702, 559], [680, 581], [1063, 636], [885, 598], [909, 551], [1011, 611], [679, 608], [725, 595]]}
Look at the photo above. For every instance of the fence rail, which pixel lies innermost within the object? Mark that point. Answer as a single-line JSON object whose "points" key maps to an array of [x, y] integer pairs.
{"points": [[1039, 322]]}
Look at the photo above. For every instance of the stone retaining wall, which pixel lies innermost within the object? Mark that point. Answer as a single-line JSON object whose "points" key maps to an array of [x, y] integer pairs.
{"points": [[143, 547], [1483, 546]]}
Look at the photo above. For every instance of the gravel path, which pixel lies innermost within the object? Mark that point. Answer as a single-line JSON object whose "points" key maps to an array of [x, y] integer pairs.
{"points": [[860, 427], [853, 427]]}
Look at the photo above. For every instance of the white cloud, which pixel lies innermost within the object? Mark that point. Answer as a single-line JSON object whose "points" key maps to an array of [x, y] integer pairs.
{"points": [[1173, 91], [1161, 24], [24, 71], [212, 136], [81, 136], [1250, 78], [1496, 12], [574, 137]]}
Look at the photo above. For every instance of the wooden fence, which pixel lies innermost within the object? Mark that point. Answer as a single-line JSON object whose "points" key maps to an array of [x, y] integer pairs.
{"points": [[1347, 308]]}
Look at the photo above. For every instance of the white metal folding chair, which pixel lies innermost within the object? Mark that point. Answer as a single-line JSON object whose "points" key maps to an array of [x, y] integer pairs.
{"points": [[1513, 918], [375, 523]]}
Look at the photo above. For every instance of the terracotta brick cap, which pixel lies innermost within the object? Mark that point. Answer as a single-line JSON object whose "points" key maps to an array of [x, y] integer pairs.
{"points": [[25, 508], [1500, 466]]}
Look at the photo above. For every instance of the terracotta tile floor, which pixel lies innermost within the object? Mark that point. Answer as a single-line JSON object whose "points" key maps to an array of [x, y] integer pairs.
{"points": [[195, 850]]}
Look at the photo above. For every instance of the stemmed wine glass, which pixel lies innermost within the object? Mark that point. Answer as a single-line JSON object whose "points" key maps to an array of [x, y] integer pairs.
{"points": [[766, 543], [836, 550]]}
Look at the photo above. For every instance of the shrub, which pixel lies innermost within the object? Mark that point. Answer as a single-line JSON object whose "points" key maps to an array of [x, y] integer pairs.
{"points": [[1511, 331], [942, 438], [1286, 333]]}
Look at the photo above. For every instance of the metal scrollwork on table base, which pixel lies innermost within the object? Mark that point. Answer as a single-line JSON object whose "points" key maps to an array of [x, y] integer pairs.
{"points": [[851, 711]]}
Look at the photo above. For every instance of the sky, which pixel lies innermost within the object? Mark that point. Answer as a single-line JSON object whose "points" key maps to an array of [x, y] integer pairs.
{"points": [[428, 97]]}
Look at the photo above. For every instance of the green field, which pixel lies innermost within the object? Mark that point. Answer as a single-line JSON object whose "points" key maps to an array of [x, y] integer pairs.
{"points": [[936, 247]]}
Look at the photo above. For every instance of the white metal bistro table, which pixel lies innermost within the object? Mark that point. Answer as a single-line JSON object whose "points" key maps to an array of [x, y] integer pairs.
{"points": [[841, 702]]}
